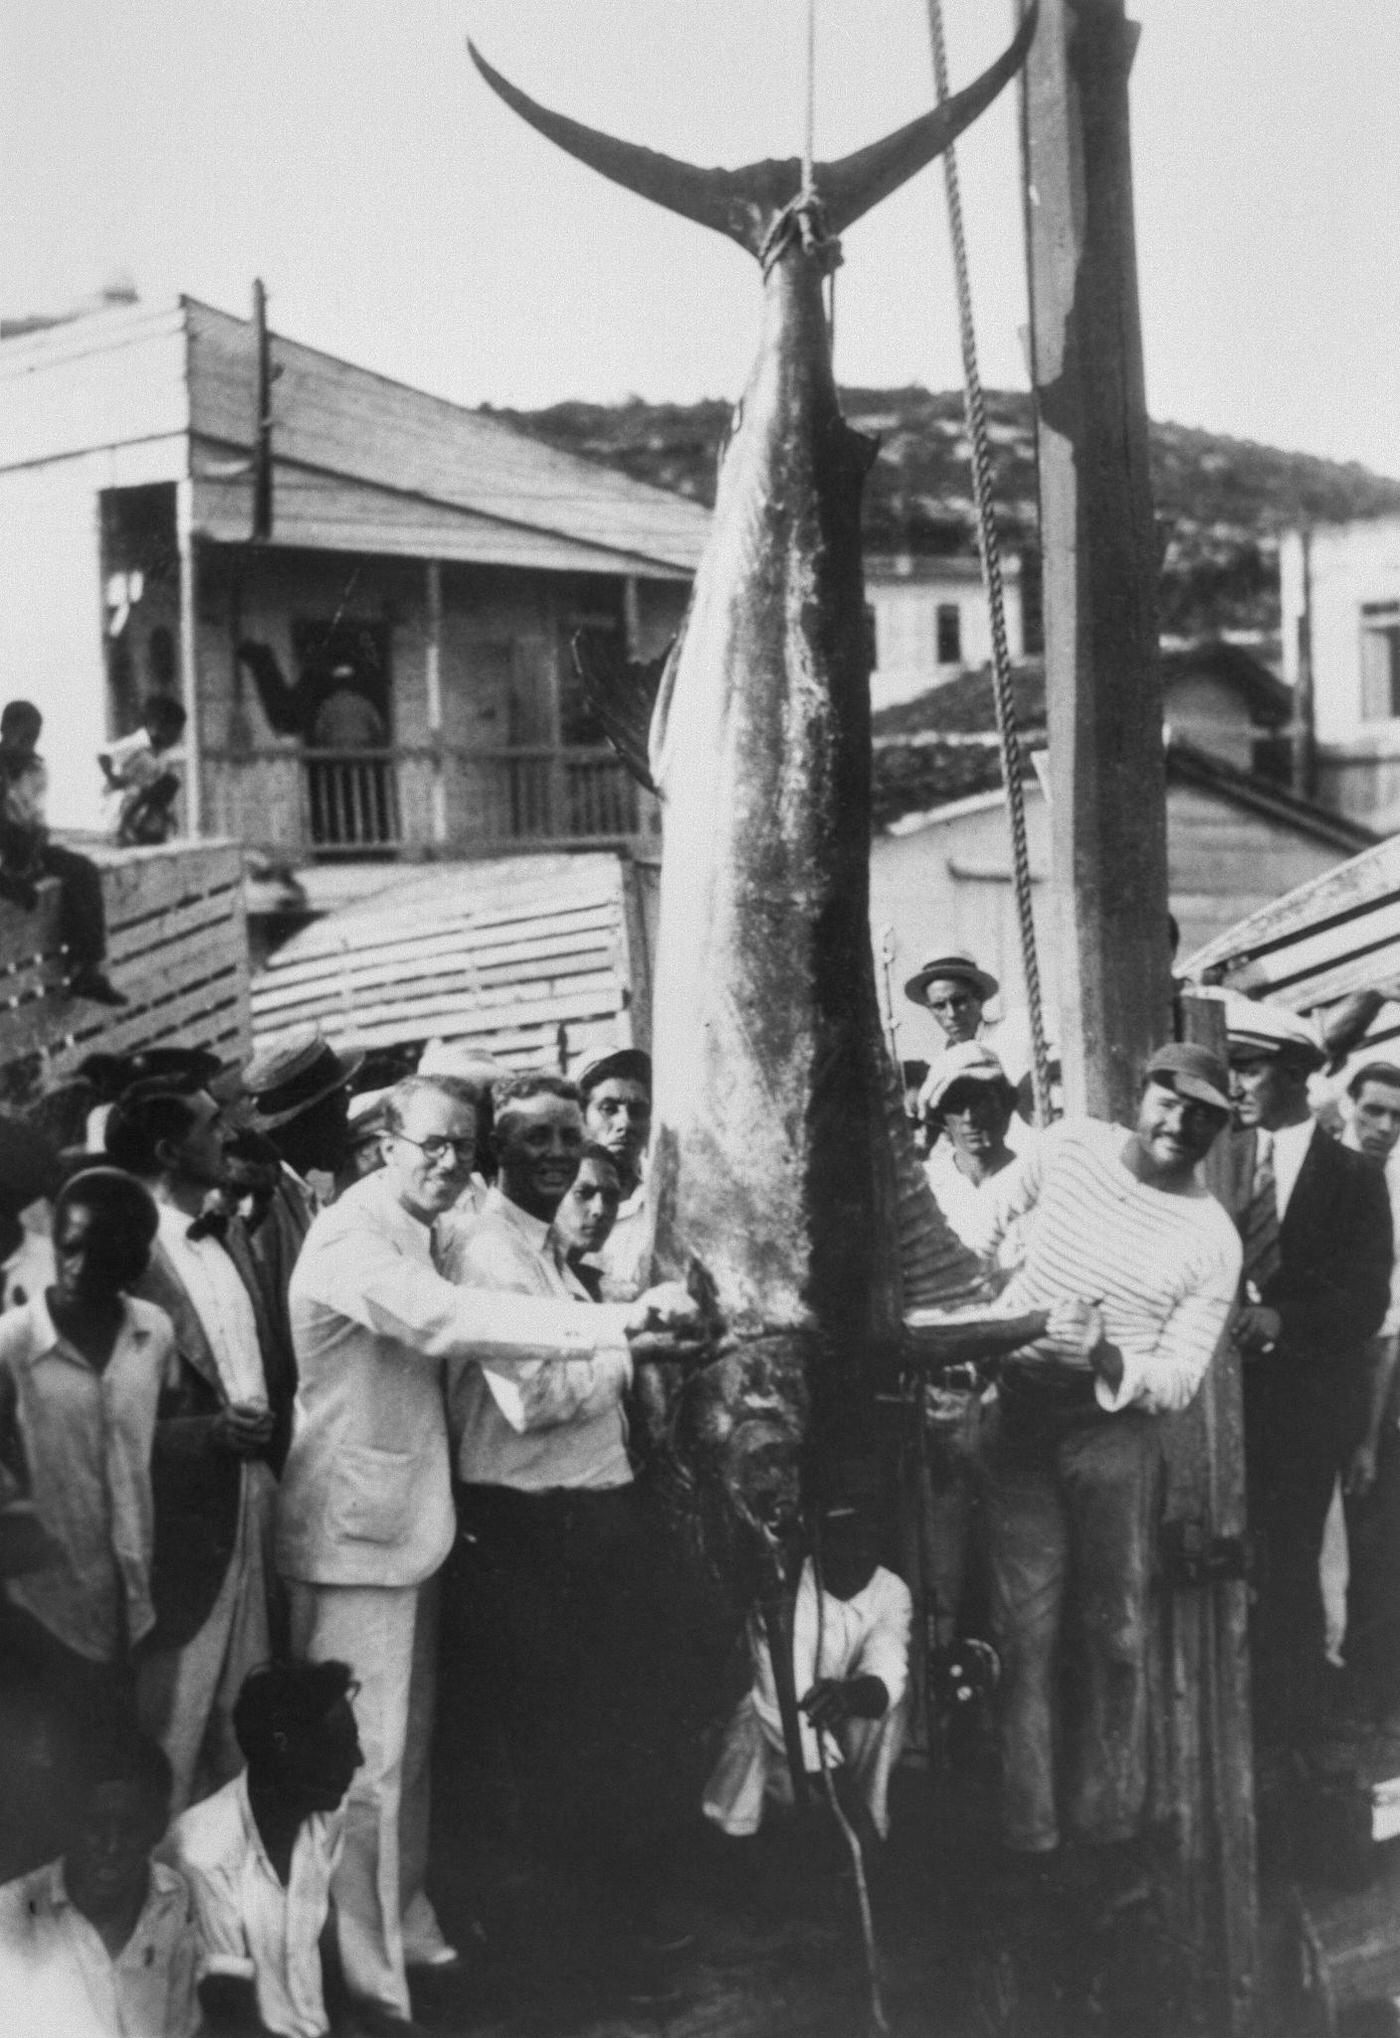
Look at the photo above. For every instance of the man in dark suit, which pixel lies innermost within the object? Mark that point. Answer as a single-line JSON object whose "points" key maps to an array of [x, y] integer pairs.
{"points": [[212, 1476], [1315, 1221]]}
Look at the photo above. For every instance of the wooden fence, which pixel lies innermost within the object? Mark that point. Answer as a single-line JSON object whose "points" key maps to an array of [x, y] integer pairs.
{"points": [[177, 948]]}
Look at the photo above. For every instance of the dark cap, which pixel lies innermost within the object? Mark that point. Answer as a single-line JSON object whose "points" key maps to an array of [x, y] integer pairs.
{"points": [[1194, 1071], [632, 1062]]}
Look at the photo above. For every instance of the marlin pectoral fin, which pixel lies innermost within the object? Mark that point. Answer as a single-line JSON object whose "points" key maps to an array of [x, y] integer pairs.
{"points": [[623, 691], [744, 203]]}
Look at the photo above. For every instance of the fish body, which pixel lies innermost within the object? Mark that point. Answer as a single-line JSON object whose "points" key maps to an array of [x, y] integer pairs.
{"points": [[772, 1161]]}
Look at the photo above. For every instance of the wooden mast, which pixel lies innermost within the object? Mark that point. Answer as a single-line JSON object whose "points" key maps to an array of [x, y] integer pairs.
{"points": [[1107, 775], [1108, 820]]}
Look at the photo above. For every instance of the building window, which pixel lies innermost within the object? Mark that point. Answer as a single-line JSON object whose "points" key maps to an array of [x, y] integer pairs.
{"points": [[1380, 662], [949, 633]]}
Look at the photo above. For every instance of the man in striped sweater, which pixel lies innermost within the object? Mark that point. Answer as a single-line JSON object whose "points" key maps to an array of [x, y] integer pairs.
{"points": [[1136, 1266]]}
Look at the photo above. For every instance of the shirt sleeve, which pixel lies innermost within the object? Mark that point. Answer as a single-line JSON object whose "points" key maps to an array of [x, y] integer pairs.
{"points": [[361, 1276], [1165, 1381], [222, 1942], [884, 1653], [534, 1393]]}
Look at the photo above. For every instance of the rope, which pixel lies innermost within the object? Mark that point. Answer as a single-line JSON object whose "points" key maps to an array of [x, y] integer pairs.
{"points": [[810, 122], [878, 2021], [989, 545]]}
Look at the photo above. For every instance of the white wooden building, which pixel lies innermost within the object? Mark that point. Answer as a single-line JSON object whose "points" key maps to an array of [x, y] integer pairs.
{"points": [[1343, 581], [441, 558]]}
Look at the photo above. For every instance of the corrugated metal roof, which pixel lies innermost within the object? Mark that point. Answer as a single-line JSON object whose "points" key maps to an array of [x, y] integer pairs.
{"points": [[344, 420], [500, 953]]}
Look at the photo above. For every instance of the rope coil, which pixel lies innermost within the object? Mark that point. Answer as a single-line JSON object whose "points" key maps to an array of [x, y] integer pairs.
{"points": [[989, 545]]}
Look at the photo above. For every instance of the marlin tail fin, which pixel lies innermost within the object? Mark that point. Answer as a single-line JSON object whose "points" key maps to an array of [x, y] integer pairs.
{"points": [[744, 203]]}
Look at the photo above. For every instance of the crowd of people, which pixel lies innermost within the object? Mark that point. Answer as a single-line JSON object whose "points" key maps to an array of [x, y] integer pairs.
{"points": [[319, 1476]]}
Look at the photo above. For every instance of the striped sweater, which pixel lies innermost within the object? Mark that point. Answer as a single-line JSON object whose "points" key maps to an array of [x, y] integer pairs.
{"points": [[1163, 1268]]}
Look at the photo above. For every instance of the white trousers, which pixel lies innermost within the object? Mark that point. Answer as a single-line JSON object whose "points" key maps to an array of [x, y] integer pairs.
{"points": [[752, 1767], [388, 1636], [185, 1697]]}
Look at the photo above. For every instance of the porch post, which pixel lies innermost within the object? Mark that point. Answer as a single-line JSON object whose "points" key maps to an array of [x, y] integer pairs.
{"points": [[433, 674], [189, 656]]}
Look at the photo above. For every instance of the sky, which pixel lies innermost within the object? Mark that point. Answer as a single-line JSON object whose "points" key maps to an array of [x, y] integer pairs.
{"points": [[401, 217]]}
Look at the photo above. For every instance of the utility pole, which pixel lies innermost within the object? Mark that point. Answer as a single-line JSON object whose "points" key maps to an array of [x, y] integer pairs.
{"points": [[1107, 769], [262, 428]]}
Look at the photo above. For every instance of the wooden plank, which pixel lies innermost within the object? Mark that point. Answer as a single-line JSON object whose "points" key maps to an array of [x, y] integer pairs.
{"points": [[152, 933], [1330, 901], [460, 1008], [455, 942], [364, 927], [356, 962]]}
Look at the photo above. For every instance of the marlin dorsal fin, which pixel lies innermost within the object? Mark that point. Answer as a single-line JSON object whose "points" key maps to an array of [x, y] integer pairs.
{"points": [[744, 203]]}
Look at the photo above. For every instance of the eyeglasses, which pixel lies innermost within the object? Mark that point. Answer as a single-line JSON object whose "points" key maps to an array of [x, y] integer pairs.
{"points": [[436, 1147]]}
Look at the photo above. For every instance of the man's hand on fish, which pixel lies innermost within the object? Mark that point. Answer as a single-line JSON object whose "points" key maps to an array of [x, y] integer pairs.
{"points": [[666, 1325]]}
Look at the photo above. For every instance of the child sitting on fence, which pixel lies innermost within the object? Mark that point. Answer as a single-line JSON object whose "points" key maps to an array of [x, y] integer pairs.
{"points": [[141, 773], [28, 855]]}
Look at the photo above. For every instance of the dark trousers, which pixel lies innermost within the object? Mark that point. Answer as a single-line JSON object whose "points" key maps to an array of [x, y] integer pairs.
{"points": [[1296, 1431], [53, 1703], [1072, 1516], [561, 1608], [1372, 1646], [82, 921]]}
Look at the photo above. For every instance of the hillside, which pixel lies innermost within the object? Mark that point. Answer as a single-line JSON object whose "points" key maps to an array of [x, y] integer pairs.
{"points": [[1221, 502]]}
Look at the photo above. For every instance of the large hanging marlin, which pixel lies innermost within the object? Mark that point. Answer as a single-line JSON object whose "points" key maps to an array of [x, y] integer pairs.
{"points": [[773, 1159]]}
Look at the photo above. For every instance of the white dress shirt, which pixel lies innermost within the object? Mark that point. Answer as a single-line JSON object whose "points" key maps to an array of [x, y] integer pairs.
{"points": [[366, 1494], [866, 1635], [57, 1979], [579, 1436], [220, 1301], [1289, 1146], [622, 1259], [252, 1925]]}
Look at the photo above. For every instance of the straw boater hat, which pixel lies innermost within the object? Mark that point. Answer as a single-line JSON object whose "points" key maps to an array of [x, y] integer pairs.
{"points": [[295, 1072], [959, 968]]}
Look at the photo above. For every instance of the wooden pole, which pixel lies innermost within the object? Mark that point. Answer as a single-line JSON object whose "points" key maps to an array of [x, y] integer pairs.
{"points": [[1107, 772], [433, 677], [189, 654]]}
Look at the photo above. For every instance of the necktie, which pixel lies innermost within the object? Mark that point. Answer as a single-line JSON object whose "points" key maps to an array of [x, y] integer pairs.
{"points": [[1259, 1231]]}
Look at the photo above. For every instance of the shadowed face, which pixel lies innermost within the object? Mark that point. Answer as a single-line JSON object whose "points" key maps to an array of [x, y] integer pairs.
{"points": [[976, 1115], [315, 1765], [1174, 1133], [618, 1116], [107, 1866], [1267, 1090], [1376, 1117], [956, 1007], [588, 1212], [96, 1257]]}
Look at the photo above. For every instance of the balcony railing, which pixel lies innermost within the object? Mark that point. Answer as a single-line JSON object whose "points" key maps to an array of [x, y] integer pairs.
{"points": [[337, 803]]}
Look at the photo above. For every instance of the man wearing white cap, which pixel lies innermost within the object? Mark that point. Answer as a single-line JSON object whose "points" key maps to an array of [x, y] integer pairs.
{"points": [[1315, 1224], [969, 1098]]}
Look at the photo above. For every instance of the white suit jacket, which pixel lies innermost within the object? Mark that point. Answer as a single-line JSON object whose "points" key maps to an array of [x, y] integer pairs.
{"points": [[366, 1494]]}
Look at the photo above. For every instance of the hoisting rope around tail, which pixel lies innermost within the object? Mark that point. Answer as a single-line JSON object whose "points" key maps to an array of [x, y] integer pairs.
{"points": [[990, 546]]}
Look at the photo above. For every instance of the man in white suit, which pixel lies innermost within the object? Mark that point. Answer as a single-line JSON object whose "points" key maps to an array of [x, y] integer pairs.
{"points": [[366, 1516]]}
